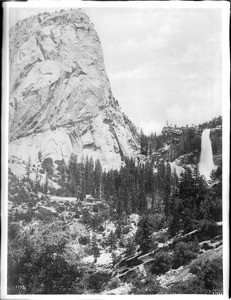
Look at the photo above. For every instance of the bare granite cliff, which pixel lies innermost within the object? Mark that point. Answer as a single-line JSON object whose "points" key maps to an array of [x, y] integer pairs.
{"points": [[60, 96]]}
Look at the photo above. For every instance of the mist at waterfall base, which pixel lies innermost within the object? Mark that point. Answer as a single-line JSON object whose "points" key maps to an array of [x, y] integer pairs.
{"points": [[206, 164]]}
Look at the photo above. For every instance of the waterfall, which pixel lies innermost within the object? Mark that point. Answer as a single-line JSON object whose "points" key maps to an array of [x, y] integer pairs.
{"points": [[206, 164]]}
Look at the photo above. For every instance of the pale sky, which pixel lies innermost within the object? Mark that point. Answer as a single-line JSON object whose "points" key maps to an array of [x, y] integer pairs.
{"points": [[163, 64]]}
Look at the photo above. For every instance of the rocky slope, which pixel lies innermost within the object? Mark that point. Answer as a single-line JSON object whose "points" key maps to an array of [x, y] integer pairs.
{"points": [[140, 266], [60, 96]]}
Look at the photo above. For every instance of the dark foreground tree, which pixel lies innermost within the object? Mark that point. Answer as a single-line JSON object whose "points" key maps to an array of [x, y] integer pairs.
{"points": [[38, 262]]}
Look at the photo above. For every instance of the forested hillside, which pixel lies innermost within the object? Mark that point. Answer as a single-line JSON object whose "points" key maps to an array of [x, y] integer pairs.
{"points": [[49, 238]]}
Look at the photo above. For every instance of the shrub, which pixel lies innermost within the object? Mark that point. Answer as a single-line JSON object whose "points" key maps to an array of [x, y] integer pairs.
{"points": [[86, 217], [113, 284], [211, 274], [149, 286], [208, 280], [118, 232], [77, 215], [161, 238], [184, 253], [37, 262], [130, 247], [154, 244], [162, 263], [157, 221], [97, 280], [84, 240], [48, 165], [101, 228], [209, 229], [115, 258], [111, 240], [195, 268], [121, 243], [60, 209], [191, 286], [95, 208], [126, 229]]}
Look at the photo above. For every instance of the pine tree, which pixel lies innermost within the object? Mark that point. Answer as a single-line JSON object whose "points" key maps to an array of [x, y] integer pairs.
{"points": [[125, 187], [62, 168], [111, 240], [97, 180], [37, 181], [48, 166], [94, 248], [152, 143], [200, 191], [186, 202], [28, 168], [89, 168], [72, 177], [159, 141], [167, 190], [143, 235], [46, 186], [186, 185], [141, 202], [143, 143], [40, 156], [82, 181]]}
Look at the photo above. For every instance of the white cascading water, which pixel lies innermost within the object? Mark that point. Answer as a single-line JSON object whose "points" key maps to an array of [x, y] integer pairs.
{"points": [[206, 164]]}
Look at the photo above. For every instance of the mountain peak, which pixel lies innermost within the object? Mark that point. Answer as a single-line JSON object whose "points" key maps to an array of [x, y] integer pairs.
{"points": [[60, 96]]}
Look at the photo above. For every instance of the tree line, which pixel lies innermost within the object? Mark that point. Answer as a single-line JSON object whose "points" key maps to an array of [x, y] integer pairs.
{"points": [[134, 188], [141, 187]]}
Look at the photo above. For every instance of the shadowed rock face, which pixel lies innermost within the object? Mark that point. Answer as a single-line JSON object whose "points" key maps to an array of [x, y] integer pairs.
{"points": [[216, 140], [60, 96]]}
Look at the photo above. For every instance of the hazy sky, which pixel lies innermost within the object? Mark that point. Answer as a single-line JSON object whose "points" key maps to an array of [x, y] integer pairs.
{"points": [[163, 64]]}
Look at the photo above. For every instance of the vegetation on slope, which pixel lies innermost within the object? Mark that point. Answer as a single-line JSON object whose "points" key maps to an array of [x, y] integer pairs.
{"points": [[41, 257]]}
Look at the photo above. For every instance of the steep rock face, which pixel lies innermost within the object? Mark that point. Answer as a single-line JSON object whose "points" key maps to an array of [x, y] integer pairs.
{"points": [[216, 140], [60, 96], [180, 141]]}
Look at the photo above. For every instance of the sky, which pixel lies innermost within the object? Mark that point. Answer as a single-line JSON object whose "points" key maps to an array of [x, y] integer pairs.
{"points": [[164, 65]]}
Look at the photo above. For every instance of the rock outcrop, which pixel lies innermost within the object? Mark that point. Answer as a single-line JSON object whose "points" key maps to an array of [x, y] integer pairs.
{"points": [[216, 140], [60, 96], [178, 142], [183, 145]]}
